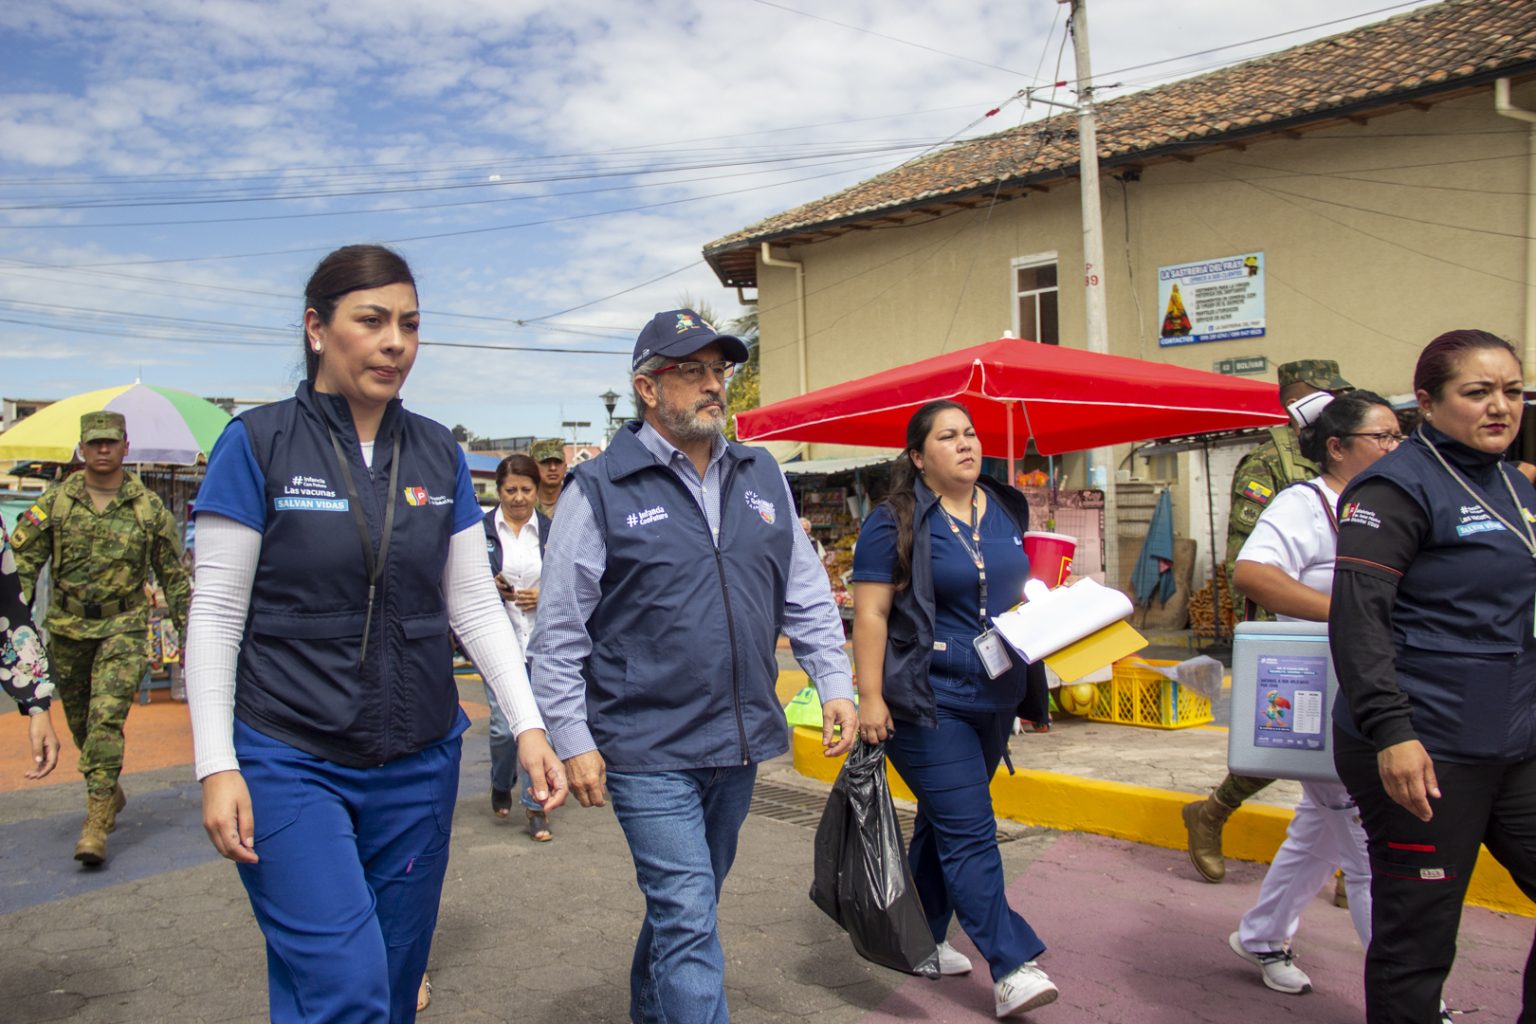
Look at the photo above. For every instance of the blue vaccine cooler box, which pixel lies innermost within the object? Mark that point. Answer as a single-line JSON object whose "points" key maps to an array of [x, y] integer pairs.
{"points": [[1283, 687]]}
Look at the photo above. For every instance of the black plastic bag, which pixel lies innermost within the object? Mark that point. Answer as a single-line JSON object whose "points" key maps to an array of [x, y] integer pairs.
{"points": [[862, 880]]}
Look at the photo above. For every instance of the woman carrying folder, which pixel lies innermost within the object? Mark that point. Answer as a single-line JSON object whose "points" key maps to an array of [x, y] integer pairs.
{"points": [[940, 688], [1286, 566]]}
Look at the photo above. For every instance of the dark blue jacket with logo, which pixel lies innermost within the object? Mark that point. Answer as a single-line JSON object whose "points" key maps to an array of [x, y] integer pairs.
{"points": [[298, 678], [909, 628], [493, 539], [1462, 621], [683, 666]]}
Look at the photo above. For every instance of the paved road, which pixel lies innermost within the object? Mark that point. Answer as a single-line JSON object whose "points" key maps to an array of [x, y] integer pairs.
{"points": [[542, 933]]}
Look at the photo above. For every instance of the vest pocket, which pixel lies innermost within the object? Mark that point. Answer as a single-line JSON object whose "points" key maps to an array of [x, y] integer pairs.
{"points": [[419, 627], [1461, 702], [304, 626]]}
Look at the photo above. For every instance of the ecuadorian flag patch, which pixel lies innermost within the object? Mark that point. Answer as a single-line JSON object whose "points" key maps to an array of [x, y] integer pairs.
{"points": [[1257, 492], [35, 515]]}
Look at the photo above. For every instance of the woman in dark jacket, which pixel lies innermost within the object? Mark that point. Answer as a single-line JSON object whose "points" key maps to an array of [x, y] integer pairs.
{"points": [[938, 686], [1431, 630]]}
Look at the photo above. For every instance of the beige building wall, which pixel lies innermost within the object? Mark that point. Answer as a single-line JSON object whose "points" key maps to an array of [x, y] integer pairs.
{"points": [[1376, 238]]}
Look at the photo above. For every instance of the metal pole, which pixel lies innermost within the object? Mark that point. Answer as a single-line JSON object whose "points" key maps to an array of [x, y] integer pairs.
{"points": [[1095, 309], [1012, 475]]}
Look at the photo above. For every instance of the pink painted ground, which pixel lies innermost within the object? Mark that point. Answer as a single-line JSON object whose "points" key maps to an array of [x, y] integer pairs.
{"points": [[1135, 938]]}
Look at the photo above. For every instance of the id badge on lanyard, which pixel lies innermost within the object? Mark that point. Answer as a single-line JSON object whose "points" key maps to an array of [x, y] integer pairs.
{"points": [[989, 644], [993, 652]]}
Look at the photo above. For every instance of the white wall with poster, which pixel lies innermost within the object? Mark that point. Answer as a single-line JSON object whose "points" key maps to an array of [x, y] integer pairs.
{"points": [[1212, 300]]}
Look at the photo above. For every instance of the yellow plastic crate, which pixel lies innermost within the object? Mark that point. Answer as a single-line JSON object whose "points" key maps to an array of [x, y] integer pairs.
{"points": [[1136, 695]]}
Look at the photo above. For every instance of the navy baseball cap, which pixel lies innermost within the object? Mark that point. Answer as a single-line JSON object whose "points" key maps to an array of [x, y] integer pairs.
{"points": [[682, 332]]}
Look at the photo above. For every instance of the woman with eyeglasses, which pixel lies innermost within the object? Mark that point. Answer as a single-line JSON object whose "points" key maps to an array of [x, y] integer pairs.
{"points": [[1286, 566], [1432, 634]]}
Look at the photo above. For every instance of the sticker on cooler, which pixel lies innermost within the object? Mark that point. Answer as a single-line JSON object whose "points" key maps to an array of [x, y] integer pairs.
{"points": [[1050, 556]]}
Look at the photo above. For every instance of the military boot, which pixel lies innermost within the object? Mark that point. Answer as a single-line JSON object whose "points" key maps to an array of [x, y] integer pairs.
{"points": [[119, 801], [91, 850], [1204, 820]]}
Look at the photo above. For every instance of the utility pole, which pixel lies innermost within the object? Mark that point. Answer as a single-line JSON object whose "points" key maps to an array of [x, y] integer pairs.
{"points": [[1096, 310]]}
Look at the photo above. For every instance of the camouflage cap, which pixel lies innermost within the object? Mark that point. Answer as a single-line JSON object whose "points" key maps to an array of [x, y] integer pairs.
{"points": [[547, 449], [1322, 374], [103, 426]]}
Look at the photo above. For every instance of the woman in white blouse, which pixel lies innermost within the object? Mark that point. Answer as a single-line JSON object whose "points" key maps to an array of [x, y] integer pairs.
{"points": [[515, 535], [1287, 567]]}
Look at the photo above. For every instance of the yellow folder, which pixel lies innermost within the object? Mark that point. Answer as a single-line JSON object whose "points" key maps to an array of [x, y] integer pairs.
{"points": [[1115, 641]]}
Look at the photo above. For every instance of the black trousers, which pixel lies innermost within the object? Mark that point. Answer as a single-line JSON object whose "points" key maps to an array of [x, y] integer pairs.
{"points": [[1420, 871]]}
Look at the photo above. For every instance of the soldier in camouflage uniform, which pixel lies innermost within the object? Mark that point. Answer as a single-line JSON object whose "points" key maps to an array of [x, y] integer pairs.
{"points": [[1263, 473], [104, 531], [549, 453]]}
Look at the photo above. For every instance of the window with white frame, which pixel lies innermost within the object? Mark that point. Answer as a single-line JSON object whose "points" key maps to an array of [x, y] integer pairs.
{"points": [[1035, 313]]}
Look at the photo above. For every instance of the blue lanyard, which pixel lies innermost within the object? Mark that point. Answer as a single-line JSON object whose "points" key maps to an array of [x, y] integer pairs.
{"points": [[972, 548]]}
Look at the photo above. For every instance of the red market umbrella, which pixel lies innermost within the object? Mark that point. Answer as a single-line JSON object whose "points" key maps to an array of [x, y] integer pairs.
{"points": [[1066, 399]]}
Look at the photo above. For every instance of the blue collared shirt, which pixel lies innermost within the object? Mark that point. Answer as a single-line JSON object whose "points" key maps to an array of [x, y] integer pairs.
{"points": [[569, 591]]}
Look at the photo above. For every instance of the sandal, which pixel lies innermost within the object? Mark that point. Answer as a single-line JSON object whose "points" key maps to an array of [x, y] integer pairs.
{"points": [[424, 993], [501, 802], [538, 827]]}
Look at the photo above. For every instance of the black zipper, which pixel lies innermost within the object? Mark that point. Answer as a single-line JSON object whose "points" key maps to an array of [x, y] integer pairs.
{"points": [[725, 595]]}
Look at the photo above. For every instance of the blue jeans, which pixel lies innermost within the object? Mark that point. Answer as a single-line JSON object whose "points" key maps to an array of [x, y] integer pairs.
{"points": [[682, 828], [350, 872], [955, 862], [506, 773]]}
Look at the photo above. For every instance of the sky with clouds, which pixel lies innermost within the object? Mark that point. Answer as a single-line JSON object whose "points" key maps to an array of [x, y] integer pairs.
{"points": [[171, 171]]}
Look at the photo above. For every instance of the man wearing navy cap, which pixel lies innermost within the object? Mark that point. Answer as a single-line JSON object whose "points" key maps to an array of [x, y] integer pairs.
{"points": [[674, 561]]}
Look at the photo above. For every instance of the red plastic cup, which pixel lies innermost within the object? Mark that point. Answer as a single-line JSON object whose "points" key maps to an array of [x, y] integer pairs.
{"points": [[1050, 556]]}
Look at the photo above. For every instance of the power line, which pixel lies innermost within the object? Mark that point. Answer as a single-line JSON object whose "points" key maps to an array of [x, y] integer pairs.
{"points": [[456, 234], [893, 39], [180, 198], [538, 196], [1258, 39]]}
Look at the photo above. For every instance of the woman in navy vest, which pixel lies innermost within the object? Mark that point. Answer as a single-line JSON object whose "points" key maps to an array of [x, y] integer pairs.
{"points": [[939, 555], [338, 541], [1431, 629], [515, 535]]}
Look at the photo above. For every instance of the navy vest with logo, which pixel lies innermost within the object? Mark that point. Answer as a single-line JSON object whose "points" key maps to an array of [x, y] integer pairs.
{"points": [[683, 666], [907, 690], [1462, 620], [298, 678]]}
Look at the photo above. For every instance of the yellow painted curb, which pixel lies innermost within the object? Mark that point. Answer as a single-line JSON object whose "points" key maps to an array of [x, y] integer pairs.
{"points": [[1143, 814]]}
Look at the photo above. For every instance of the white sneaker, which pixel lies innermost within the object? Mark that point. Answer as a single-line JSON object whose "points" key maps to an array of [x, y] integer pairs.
{"points": [[1280, 970], [952, 961], [1025, 988]]}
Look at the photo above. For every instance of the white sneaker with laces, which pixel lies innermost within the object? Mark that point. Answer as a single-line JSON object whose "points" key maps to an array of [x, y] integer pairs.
{"points": [[1025, 988], [1279, 968], [952, 961]]}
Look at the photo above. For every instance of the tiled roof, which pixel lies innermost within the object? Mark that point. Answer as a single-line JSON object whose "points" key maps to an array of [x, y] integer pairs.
{"points": [[1422, 56]]}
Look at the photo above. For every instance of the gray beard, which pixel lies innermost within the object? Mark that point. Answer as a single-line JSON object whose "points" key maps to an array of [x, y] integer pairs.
{"points": [[689, 426]]}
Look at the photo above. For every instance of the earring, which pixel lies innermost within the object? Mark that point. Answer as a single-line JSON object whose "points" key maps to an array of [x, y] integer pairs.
{"points": [[317, 348]]}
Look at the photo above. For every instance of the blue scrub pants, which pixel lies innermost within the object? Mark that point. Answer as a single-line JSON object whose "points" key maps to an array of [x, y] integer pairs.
{"points": [[955, 862], [351, 870]]}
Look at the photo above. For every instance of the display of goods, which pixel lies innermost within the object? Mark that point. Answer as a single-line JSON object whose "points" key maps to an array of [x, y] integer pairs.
{"points": [[1203, 610]]}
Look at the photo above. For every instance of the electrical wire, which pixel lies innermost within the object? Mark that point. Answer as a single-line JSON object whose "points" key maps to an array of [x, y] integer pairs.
{"points": [[893, 39]]}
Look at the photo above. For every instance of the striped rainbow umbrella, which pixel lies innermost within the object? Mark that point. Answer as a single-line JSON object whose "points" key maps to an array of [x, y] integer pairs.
{"points": [[164, 425]]}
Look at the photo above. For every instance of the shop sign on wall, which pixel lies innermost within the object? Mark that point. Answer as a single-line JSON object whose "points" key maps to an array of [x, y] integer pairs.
{"points": [[1213, 300]]}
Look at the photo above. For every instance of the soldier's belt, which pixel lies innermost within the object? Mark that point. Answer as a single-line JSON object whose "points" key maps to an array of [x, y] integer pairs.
{"points": [[100, 609]]}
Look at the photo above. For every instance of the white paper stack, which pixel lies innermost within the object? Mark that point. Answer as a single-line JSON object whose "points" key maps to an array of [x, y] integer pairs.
{"points": [[1053, 619]]}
